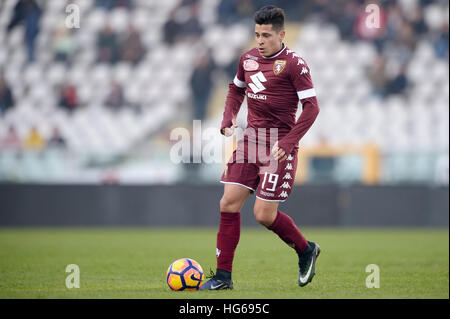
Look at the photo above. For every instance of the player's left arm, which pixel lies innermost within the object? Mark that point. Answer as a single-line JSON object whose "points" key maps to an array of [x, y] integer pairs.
{"points": [[301, 79]]}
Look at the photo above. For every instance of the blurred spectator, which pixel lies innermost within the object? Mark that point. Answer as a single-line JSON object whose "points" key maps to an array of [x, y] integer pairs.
{"points": [[398, 84], [441, 42], [188, 3], [227, 12], [29, 13], [56, 140], [191, 29], [111, 4], [171, 28], [377, 75], [241, 11], [417, 21], [132, 49], [183, 23], [202, 84], [347, 19], [394, 22], [407, 37], [291, 8], [108, 45], [11, 140], [63, 44], [68, 97], [115, 98], [6, 97], [34, 140]]}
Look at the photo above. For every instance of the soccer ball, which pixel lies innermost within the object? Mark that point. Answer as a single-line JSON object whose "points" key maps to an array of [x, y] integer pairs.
{"points": [[185, 274]]}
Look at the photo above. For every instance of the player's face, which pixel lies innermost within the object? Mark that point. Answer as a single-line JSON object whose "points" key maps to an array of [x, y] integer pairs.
{"points": [[269, 40]]}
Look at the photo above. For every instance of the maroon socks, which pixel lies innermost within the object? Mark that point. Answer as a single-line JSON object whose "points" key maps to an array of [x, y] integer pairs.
{"points": [[230, 230], [285, 228], [227, 239]]}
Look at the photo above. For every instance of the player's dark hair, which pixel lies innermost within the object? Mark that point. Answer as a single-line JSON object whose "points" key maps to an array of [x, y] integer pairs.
{"points": [[270, 15]]}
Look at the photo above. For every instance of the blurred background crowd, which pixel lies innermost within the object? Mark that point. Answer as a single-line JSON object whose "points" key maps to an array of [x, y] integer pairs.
{"points": [[97, 103]]}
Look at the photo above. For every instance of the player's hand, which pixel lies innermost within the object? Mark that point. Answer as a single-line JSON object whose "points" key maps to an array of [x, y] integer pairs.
{"points": [[278, 153], [228, 131]]}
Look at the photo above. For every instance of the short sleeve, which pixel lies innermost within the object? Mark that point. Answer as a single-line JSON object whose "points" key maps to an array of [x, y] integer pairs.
{"points": [[301, 79]]}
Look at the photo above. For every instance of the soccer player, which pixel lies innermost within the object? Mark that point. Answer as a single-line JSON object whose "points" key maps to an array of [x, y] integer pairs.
{"points": [[274, 79]]}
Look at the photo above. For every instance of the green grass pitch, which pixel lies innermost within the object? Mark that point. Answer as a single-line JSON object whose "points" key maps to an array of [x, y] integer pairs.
{"points": [[132, 263]]}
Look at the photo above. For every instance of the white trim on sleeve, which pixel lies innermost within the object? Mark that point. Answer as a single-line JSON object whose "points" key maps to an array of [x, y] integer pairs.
{"points": [[239, 83], [306, 93]]}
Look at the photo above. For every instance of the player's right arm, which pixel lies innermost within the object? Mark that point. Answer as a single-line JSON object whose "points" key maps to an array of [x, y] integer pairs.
{"points": [[233, 102]]}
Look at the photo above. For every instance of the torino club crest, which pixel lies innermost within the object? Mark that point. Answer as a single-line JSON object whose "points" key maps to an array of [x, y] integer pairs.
{"points": [[278, 66], [251, 65]]}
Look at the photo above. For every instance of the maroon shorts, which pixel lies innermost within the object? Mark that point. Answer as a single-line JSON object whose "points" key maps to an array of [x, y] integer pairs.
{"points": [[271, 180]]}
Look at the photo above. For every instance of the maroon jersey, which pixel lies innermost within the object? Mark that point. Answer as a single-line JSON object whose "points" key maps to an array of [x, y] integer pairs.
{"points": [[274, 86]]}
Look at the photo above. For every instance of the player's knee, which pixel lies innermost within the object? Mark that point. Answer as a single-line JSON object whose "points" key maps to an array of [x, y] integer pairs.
{"points": [[263, 217], [227, 204]]}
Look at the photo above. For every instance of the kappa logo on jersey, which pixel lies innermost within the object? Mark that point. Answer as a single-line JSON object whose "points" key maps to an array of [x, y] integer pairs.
{"points": [[289, 167], [294, 55], [218, 252], [304, 70], [283, 194], [290, 158], [251, 57], [300, 61], [267, 194], [278, 66], [285, 185], [287, 176], [251, 65]]}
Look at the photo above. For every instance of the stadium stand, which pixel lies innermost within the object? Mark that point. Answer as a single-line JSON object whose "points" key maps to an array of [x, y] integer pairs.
{"points": [[389, 89]]}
